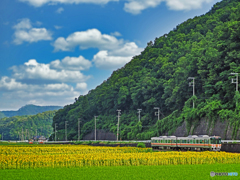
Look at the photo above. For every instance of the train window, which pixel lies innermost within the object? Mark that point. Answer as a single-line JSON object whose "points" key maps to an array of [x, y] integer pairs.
{"points": [[197, 141], [191, 141], [219, 141], [213, 141], [194, 141], [188, 141]]}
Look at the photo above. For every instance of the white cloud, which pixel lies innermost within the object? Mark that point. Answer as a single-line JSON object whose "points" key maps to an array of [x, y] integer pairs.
{"points": [[186, 4], [25, 32], [57, 27], [102, 60], [91, 38], [23, 24], [38, 3], [39, 84], [116, 58], [137, 6], [10, 84], [60, 10], [81, 86], [114, 53], [127, 49], [116, 34], [32, 70], [16, 94], [71, 63]]}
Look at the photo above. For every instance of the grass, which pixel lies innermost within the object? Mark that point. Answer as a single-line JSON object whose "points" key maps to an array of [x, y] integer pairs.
{"points": [[169, 172]]}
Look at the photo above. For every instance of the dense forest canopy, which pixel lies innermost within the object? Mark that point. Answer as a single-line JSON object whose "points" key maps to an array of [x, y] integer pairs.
{"points": [[25, 127], [205, 47], [29, 109]]}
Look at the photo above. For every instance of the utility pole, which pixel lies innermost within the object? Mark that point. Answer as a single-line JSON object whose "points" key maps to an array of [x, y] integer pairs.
{"points": [[139, 111], [235, 81], [193, 85], [119, 112], [26, 133], [79, 129], [55, 131], [157, 114], [66, 130], [41, 131], [22, 135], [95, 128]]}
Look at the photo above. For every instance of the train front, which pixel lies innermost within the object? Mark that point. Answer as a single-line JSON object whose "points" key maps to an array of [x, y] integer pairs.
{"points": [[216, 143]]}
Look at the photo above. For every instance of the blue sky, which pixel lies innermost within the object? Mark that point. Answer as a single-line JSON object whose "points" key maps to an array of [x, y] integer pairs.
{"points": [[53, 51]]}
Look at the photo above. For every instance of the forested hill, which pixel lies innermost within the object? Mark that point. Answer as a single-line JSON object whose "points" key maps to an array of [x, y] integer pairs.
{"points": [[26, 127], [28, 110], [206, 48]]}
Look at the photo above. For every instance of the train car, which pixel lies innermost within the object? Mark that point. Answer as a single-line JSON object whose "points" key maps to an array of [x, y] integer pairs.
{"points": [[192, 142]]}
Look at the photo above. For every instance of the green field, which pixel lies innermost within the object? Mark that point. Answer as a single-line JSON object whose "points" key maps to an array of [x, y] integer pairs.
{"points": [[201, 172]]}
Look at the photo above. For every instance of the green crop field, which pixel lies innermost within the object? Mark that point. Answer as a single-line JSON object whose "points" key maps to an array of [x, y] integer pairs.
{"points": [[168, 172]]}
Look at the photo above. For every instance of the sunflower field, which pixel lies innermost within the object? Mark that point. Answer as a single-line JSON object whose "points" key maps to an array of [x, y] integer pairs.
{"points": [[22, 157]]}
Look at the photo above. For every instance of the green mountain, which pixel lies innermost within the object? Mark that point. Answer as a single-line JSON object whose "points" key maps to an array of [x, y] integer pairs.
{"points": [[29, 110], [18, 127], [205, 47], [2, 115]]}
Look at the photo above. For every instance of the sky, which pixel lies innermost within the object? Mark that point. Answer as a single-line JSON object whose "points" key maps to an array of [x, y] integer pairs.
{"points": [[53, 51]]}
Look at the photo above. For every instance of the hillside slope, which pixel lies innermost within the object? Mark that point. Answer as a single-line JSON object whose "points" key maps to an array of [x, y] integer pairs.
{"points": [[29, 109], [206, 48], [18, 127]]}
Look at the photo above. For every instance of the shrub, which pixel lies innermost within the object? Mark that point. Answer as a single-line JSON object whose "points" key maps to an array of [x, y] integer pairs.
{"points": [[141, 145]]}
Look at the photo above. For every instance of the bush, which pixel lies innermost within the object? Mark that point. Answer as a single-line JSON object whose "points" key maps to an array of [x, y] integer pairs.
{"points": [[141, 145], [78, 142]]}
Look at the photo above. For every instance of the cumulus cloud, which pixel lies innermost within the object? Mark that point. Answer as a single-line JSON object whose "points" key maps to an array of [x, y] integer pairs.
{"points": [[16, 94], [60, 10], [71, 63], [137, 6], [25, 32], [102, 60], [81, 86], [38, 3], [85, 39], [32, 70], [116, 58], [41, 84], [10, 84], [113, 53]]}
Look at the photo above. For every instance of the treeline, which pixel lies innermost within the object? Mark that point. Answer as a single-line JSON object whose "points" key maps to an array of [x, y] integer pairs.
{"points": [[26, 127], [29, 109], [206, 48]]}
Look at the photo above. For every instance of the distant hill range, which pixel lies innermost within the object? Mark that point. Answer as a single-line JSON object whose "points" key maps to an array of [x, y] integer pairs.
{"points": [[29, 109]]}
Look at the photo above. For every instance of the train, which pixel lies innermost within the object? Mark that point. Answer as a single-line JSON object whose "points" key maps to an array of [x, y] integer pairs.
{"points": [[192, 143]]}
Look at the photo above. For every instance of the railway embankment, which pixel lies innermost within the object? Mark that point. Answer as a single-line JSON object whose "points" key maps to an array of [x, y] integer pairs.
{"points": [[230, 147]]}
